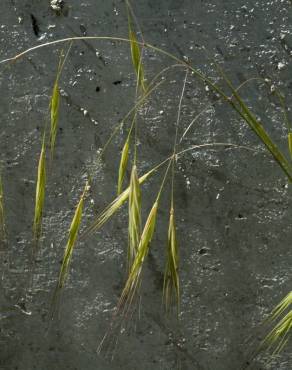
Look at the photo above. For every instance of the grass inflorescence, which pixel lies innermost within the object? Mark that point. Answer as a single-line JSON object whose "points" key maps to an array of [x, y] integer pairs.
{"points": [[139, 239]]}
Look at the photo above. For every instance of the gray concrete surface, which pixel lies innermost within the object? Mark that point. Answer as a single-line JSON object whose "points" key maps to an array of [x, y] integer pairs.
{"points": [[233, 206]]}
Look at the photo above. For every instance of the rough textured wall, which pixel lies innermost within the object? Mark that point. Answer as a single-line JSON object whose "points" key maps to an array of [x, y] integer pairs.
{"points": [[233, 206]]}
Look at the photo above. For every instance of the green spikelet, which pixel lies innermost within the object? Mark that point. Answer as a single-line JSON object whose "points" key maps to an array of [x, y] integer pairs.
{"points": [[171, 286], [136, 55], [54, 114], [123, 165], [40, 192], [134, 277], [134, 216]]}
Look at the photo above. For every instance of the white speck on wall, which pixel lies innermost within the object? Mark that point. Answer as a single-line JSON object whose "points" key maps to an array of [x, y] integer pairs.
{"points": [[281, 65]]}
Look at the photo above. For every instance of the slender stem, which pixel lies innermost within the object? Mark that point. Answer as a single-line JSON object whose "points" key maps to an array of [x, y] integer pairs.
{"points": [[121, 39], [201, 146], [164, 179], [176, 137]]}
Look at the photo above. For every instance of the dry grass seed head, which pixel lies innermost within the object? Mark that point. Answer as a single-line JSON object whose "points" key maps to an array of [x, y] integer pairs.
{"points": [[54, 113], [134, 278], [114, 206], [134, 216], [171, 286], [136, 55], [40, 192], [73, 233], [123, 164]]}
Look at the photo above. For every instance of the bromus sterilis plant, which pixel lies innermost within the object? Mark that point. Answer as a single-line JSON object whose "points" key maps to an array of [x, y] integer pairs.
{"points": [[139, 239], [128, 299]]}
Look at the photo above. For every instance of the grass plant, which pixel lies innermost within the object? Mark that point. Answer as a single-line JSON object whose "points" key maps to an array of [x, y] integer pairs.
{"points": [[139, 239]]}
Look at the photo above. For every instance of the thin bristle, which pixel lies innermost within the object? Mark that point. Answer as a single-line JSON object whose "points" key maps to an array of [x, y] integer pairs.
{"points": [[280, 334], [134, 216], [278, 337], [40, 192], [123, 165], [171, 286], [281, 307]]}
